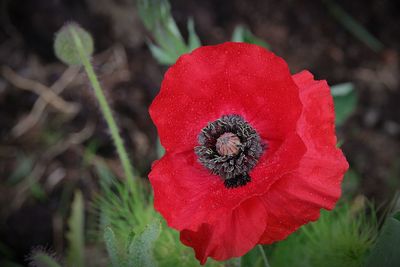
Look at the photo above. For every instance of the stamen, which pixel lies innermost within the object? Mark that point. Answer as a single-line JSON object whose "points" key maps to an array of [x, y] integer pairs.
{"points": [[229, 147]]}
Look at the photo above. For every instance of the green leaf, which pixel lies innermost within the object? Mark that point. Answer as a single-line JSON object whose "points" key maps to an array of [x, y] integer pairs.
{"points": [[238, 34], [172, 31], [351, 184], [75, 234], [387, 248], [160, 55], [112, 249], [37, 190], [345, 99], [141, 248], [244, 35], [194, 40], [23, 169], [160, 149], [42, 259], [169, 43], [252, 258]]}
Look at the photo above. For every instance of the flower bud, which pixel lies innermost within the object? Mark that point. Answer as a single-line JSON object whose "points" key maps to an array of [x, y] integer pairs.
{"points": [[65, 44]]}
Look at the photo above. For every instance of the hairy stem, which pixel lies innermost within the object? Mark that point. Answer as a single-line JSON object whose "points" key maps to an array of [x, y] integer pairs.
{"points": [[105, 109]]}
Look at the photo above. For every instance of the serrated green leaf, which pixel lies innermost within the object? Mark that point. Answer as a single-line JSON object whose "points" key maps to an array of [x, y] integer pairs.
{"points": [[345, 99], [243, 34], [387, 248], [112, 249], [194, 40], [75, 234], [140, 251]]}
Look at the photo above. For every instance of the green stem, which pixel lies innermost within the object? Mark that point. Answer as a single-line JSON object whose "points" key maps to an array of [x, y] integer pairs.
{"points": [[266, 264], [106, 110]]}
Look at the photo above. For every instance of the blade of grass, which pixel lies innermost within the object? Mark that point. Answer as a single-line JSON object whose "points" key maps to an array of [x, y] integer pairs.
{"points": [[75, 235], [353, 26]]}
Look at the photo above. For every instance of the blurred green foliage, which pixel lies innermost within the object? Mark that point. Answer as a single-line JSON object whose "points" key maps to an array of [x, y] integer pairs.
{"points": [[112, 247], [353, 26], [123, 223], [345, 100], [243, 34], [387, 249], [342, 237], [75, 234], [140, 249], [252, 258], [168, 42], [24, 167]]}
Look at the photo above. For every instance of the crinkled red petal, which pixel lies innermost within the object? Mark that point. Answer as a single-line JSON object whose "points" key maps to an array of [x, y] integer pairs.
{"points": [[231, 78], [298, 197], [187, 195], [234, 234]]}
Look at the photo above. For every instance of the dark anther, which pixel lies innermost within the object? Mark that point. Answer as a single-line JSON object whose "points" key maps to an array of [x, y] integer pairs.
{"points": [[229, 147], [237, 181]]}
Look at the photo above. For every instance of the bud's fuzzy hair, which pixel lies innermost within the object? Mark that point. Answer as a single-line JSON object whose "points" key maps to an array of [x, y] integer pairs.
{"points": [[33, 260]]}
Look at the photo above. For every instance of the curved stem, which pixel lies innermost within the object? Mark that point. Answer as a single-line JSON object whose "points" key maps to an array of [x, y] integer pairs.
{"points": [[266, 264], [106, 110]]}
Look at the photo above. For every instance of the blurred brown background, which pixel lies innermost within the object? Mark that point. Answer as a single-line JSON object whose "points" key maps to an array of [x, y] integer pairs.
{"points": [[51, 128]]}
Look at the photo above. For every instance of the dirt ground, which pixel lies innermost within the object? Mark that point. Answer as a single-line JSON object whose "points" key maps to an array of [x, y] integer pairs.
{"points": [[46, 148]]}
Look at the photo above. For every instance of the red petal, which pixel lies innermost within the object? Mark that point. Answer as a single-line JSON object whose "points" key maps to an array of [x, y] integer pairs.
{"points": [[298, 197], [187, 195], [231, 78], [181, 190], [234, 234], [278, 161]]}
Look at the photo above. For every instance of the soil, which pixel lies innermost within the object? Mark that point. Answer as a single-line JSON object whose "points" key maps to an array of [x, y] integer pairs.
{"points": [[54, 150]]}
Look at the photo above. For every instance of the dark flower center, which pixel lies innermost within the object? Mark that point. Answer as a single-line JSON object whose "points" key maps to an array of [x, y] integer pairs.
{"points": [[229, 147]]}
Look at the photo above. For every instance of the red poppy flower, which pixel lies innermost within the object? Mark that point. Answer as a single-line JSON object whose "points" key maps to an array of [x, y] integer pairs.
{"points": [[250, 149]]}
